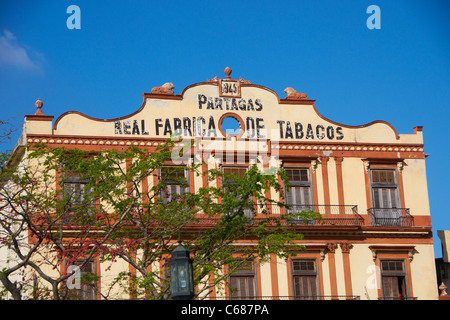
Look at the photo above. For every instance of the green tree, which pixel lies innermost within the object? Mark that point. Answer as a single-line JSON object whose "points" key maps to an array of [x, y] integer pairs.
{"points": [[40, 230], [102, 205]]}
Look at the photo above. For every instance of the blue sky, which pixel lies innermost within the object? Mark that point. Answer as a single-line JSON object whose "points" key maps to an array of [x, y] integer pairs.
{"points": [[399, 73]]}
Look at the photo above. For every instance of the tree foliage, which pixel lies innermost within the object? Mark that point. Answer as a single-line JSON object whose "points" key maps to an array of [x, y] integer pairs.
{"points": [[69, 206]]}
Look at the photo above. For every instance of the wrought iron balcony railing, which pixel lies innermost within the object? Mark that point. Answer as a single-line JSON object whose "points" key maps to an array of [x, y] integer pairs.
{"points": [[397, 298], [329, 214], [292, 215], [286, 298], [390, 217]]}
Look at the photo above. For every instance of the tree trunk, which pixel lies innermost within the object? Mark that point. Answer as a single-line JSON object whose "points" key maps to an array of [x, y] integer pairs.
{"points": [[11, 287]]}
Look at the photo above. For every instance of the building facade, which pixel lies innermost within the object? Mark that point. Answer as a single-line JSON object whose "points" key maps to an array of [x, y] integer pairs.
{"points": [[368, 183]]}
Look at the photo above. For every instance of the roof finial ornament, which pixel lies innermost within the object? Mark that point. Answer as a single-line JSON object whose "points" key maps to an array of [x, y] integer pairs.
{"points": [[39, 105], [227, 72], [443, 288]]}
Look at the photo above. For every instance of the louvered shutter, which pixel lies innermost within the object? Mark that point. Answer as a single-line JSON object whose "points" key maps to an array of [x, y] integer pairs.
{"points": [[242, 287], [386, 206], [390, 287], [304, 279], [299, 197], [304, 286], [393, 279], [88, 291], [243, 282], [173, 189]]}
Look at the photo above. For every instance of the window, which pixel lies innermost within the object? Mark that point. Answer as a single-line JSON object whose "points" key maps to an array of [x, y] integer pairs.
{"points": [[393, 277], [299, 193], [88, 287], [74, 193], [299, 197], [384, 189], [238, 171], [242, 282], [304, 279], [176, 180], [74, 187], [385, 198]]}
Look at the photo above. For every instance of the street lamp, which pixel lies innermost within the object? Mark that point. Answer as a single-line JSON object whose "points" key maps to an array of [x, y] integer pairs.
{"points": [[181, 274]]}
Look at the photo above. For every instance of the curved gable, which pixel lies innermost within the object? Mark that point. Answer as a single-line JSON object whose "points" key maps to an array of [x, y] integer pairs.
{"points": [[198, 111]]}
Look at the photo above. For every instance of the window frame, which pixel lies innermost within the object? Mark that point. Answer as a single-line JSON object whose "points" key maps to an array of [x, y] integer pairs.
{"points": [[247, 212], [381, 185], [71, 178], [301, 184], [224, 167], [386, 205], [248, 275], [307, 274], [303, 206], [174, 183], [397, 274]]}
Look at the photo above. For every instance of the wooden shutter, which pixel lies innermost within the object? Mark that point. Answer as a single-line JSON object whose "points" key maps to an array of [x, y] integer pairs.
{"points": [[390, 287], [305, 287], [385, 207], [385, 198], [304, 275], [393, 279], [88, 291], [243, 282], [298, 199], [238, 171], [243, 287], [299, 195], [384, 189], [173, 188], [74, 192]]}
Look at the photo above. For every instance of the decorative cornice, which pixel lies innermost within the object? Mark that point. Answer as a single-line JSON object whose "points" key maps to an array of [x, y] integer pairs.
{"points": [[94, 141], [404, 249], [342, 146], [284, 149]]}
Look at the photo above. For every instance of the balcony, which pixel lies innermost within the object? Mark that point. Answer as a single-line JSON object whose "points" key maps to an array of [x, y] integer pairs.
{"points": [[287, 298], [390, 217], [330, 214], [343, 215], [397, 298]]}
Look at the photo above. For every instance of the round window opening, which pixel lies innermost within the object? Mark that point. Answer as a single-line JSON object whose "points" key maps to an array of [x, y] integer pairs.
{"points": [[230, 126]]}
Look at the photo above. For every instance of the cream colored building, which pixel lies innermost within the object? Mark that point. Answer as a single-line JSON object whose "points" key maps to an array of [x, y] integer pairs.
{"points": [[368, 182]]}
